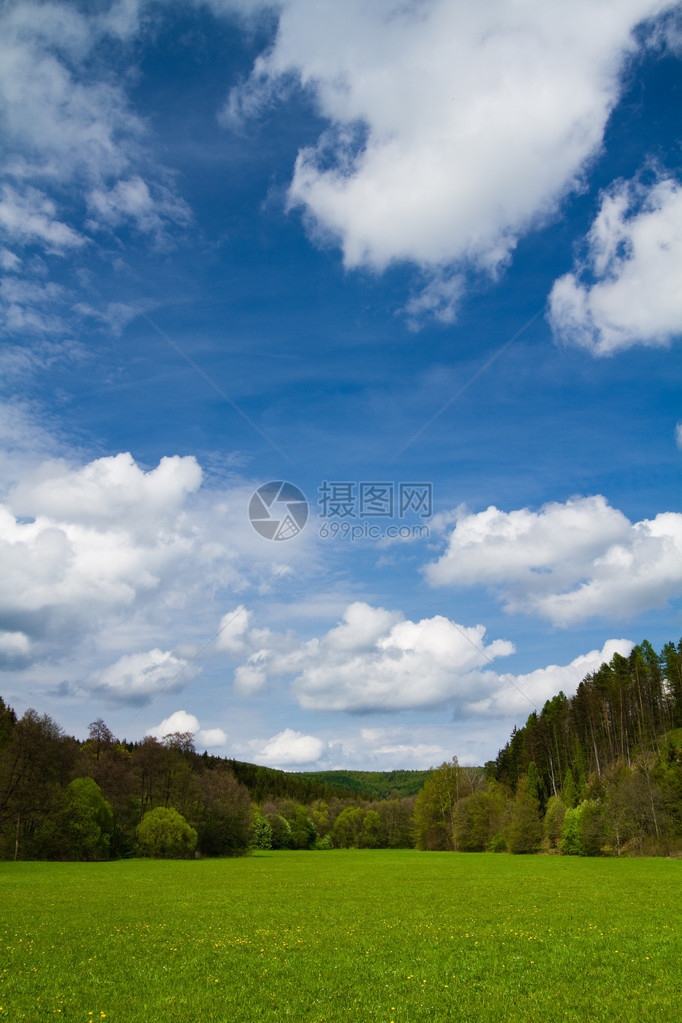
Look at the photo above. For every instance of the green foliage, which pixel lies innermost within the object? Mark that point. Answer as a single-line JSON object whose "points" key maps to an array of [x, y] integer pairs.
{"points": [[478, 818], [165, 833], [434, 808], [347, 828], [554, 819], [225, 814], [568, 792], [571, 840], [262, 832], [280, 830], [375, 784], [372, 836], [524, 831], [88, 822], [592, 834], [303, 833], [498, 843]]}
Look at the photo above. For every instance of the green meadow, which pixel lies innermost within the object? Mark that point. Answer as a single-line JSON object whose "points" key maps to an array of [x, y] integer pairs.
{"points": [[388, 936]]}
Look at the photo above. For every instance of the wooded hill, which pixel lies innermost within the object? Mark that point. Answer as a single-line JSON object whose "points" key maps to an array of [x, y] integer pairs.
{"points": [[375, 784]]}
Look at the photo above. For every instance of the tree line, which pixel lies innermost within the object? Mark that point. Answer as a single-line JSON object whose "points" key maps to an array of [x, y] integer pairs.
{"points": [[598, 772]]}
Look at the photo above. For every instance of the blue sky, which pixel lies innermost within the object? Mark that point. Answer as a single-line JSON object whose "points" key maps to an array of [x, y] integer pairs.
{"points": [[428, 243]]}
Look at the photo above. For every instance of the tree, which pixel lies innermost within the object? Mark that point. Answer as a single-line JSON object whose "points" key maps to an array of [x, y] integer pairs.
{"points": [[280, 830], [372, 836], [571, 840], [224, 815], [164, 833], [100, 737], [554, 819], [592, 835], [34, 765], [347, 828], [262, 832], [88, 821], [524, 831], [568, 791], [478, 818], [434, 807], [303, 833], [395, 816]]}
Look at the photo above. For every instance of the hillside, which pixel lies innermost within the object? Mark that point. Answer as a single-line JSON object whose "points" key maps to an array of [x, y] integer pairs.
{"points": [[377, 784]]}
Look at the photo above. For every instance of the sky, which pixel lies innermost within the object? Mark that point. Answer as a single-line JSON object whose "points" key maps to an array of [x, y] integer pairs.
{"points": [[340, 366]]}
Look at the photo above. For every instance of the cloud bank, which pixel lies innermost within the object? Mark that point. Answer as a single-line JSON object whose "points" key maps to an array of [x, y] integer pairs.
{"points": [[377, 661]]}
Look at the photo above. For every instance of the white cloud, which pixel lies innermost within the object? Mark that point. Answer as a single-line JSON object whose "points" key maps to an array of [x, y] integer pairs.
{"points": [[375, 660], [513, 695], [31, 217], [8, 260], [233, 630], [56, 122], [287, 748], [453, 129], [14, 644], [117, 558], [134, 678], [181, 721], [71, 140], [634, 257], [112, 489], [567, 562], [678, 435], [131, 200], [412, 666]]}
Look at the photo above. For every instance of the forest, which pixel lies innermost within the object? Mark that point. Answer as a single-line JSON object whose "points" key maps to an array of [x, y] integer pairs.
{"points": [[598, 773]]}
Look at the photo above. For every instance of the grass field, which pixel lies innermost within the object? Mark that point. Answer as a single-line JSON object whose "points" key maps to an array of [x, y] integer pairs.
{"points": [[342, 936]]}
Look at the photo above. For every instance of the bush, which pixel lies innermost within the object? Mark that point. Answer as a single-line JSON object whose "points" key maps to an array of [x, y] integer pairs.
{"points": [[262, 833], [499, 843], [164, 833], [571, 842]]}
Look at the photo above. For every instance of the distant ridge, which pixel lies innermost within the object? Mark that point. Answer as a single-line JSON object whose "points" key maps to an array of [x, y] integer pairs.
{"points": [[307, 786]]}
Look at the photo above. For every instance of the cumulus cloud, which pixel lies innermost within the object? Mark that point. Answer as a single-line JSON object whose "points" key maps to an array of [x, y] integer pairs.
{"points": [[567, 562], [112, 489], [389, 663], [375, 660], [181, 721], [114, 554], [632, 295], [453, 128], [288, 748], [134, 678]]}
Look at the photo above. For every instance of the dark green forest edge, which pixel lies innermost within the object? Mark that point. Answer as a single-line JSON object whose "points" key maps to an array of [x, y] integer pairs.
{"points": [[599, 773]]}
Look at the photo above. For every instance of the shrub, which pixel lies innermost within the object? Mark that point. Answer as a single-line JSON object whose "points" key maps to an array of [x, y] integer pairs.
{"points": [[164, 833]]}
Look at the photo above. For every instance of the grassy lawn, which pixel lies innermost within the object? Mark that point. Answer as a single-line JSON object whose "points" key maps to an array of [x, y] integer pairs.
{"points": [[345, 935]]}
